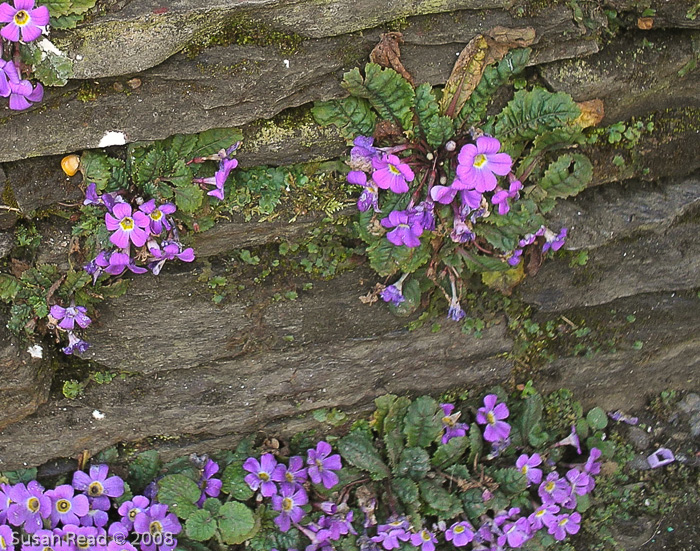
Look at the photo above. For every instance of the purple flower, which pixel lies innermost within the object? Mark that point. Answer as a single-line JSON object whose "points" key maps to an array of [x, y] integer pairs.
{"points": [[129, 509], [211, 487], [362, 153], [554, 490], [544, 515], [393, 293], [168, 250], [157, 215], [453, 429], [455, 311], [68, 317], [492, 416], [580, 481], [264, 474], [91, 197], [30, 506], [322, 464], [424, 539], [289, 503], [571, 440], [65, 506], [515, 257], [527, 467], [121, 545], [127, 227], [24, 18], [370, 194], [296, 472], [116, 262], [76, 345], [22, 94], [423, 214], [565, 524], [391, 533], [219, 179], [460, 533], [7, 537], [391, 173], [461, 230], [478, 164], [5, 502], [660, 458], [406, 233], [443, 194], [157, 522], [97, 514], [97, 485], [554, 242], [592, 465], [85, 537], [515, 533]]}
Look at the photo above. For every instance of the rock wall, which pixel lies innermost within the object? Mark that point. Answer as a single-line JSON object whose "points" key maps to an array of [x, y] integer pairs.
{"points": [[197, 376]]}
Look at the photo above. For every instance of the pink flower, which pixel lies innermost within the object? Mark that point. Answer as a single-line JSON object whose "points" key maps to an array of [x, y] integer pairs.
{"points": [[391, 173], [127, 228], [23, 18], [492, 416], [478, 164]]}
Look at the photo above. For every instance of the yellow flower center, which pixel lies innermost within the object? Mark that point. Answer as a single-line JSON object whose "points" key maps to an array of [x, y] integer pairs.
{"points": [[82, 542], [21, 18], [133, 513], [490, 418], [287, 504], [538, 514], [549, 486], [479, 160], [63, 505], [264, 477], [156, 215], [425, 536], [458, 529], [394, 170], [3, 544], [155, 527], [127, 223], [447, 420], [563, 521], [524, 469], [33, 504], [289, 477], [95, 488]]}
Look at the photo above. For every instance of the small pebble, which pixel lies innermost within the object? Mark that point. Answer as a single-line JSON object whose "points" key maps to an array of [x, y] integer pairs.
{"points": [[695, 425], [639, 463], [690, 404], [639, 438]]}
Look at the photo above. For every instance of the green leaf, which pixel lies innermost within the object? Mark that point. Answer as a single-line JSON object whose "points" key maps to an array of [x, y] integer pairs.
{"points": [[81, 6], [75, 281], [393, 429], [406, 490], [383, 404], [473, 504], [439, 499], [583, 503], [353, 116], [450, 453], [479, 263], [181, 145], [414, 463], [232, 482], [9, 287], [532, 113], [216, 139], [22, 476], [476, 444], [65, 22], [529, 421], [58, 8], [236, 522], [200, 526], [50, 68], [423, 424], [511, 481], [474, 110], [180, 493], [143, 469], [387, 259], [562, 179], [390, 94], [412, 295], [358, 449], [597, 419], [96, 168], [188, 198], [212, 505], [435, 128]]}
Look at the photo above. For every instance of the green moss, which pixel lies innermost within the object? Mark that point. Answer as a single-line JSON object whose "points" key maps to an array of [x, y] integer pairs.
{"points": [[89, 91], [8, 196], [243, 31]]}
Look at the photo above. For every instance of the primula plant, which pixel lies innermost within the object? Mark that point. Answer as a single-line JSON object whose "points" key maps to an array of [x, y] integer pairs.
{"points": [[488, 472], [449, 190], [24, 53]]}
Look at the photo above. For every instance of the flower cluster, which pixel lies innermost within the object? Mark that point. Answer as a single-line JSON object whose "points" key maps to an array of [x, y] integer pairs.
{"points": [[288, 488], [22, 22], [65, 319], [472, 195], [77, 516]]}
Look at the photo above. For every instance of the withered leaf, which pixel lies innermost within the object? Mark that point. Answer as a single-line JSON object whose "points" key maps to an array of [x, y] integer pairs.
{"points": [[592, 112], [388, 54]]}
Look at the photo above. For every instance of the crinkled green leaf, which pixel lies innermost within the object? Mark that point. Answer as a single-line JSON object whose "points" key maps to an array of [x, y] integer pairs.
{"points": [[439, 499], [511, 481], [473, 504], [474, 110], [212, 141], [201, 525], [450, 453], [435, 128], [232, 482], [188, 198], [477, 263], [382, 405], [531, 113], [357, 448], [180, 493], [52, 69], [58, 8], [387, 259], [96, 168], [476, 444], [423, 422], [390, 94], [74, 281], [66, 21], [406, 490], [597, 419], [81, 6], [353, 116], [236, 522], [143, 469], [393, 429], [412, 295], [181, 145], [9, 287], [567, 176], [414, 463]]}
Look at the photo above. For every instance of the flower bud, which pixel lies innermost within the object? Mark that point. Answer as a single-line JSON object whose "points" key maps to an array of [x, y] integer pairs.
{"points": [[70, 164], [451, 145]]}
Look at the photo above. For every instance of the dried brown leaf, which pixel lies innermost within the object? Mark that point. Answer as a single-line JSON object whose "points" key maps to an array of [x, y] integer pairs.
{"points": [[645, 23], [592, 112], [388, 54]]}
